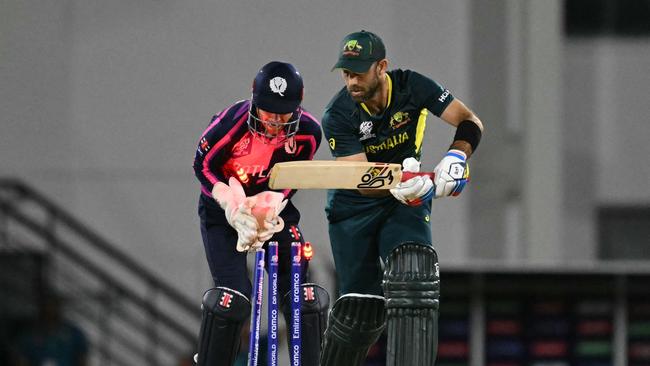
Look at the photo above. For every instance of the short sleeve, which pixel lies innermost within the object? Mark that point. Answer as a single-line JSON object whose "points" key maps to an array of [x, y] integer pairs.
{"points": [[431, 95], [341, 137]]}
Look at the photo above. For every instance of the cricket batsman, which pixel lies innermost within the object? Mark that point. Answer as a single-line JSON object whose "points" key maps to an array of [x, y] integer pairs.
{"points": [[386, 264], [239, 213]]}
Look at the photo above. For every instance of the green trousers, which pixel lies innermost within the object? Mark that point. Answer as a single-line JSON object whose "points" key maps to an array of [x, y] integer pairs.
{"points": [[361, 242]]}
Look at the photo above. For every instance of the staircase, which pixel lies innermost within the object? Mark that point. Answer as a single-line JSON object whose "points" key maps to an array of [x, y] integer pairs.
{"points": [[131, 316]]}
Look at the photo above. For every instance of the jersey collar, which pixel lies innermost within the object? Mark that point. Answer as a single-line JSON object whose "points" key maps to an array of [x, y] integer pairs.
{"points": [[390, 95]]}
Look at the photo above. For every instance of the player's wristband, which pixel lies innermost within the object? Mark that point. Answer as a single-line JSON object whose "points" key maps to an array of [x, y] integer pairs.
{"points": [[469, 132]]}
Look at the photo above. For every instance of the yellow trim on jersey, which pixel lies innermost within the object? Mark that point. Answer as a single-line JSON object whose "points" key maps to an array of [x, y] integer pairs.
{"points": [[419, 131], [390, 90], [390, 95]]}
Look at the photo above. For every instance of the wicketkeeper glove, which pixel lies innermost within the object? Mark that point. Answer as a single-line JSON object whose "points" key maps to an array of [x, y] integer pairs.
{"points": [[416, 190], [451, 174], [238, 210], [268, 205]]}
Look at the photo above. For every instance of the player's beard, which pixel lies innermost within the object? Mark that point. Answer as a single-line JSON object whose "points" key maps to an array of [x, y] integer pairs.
{"points": [[369, 91]]}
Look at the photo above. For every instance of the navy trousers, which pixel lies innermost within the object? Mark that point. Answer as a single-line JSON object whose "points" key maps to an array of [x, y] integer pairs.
{"points": [[227, 265]]}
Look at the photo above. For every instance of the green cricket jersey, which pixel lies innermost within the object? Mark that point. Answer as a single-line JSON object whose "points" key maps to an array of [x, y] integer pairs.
{"points": [[390, 137]]}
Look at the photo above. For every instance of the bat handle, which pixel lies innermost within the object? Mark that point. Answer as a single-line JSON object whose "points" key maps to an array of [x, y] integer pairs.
{"points": [[408, 175]]}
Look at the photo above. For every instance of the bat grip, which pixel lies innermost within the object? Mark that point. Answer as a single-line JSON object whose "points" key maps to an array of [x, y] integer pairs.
{"points": [[408, 175]]}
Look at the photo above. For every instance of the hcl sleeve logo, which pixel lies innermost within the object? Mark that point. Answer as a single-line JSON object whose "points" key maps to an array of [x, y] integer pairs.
{"points": [[444, 96]]}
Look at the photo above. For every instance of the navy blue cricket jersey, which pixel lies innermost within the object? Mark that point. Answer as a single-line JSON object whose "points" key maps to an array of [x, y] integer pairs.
{"points": [[228, 149]]}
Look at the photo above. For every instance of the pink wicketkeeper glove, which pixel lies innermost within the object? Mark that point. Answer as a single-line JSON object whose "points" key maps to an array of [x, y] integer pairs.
{"points": [[267, 208], [255, 218], [238, 210]]}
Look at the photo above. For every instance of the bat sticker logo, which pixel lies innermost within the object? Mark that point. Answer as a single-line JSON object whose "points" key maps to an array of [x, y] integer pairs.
{"points": [[376, 177]]}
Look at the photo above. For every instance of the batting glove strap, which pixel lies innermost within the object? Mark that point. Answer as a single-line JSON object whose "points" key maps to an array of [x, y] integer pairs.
{"points": [[420, 200], [414, 191], [451, 174]]}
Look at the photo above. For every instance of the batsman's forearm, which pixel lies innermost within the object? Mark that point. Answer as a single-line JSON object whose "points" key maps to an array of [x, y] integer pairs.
{"points": [[463, 146]]}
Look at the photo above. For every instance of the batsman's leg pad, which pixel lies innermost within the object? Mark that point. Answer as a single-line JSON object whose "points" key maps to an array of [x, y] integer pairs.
{"points": [[355, 323], [224, 313], [412, 288], [313, 320]]}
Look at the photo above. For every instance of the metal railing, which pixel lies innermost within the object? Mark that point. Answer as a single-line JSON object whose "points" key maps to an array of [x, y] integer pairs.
{"points": [[137, 317]]}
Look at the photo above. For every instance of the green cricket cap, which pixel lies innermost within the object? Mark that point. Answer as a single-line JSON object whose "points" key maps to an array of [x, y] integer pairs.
{"points": [[359, 50]]}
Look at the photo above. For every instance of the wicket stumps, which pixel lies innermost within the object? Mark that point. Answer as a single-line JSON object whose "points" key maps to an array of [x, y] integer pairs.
{"points": [[295, 304], [257, 298], [273, 305]]}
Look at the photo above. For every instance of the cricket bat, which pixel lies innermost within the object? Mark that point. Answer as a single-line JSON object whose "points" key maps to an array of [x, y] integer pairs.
{"points": [[330, 174]]}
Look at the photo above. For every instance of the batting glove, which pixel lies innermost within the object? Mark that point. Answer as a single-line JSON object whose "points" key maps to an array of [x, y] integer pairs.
{"points": [[415, 191], [451, 174]]}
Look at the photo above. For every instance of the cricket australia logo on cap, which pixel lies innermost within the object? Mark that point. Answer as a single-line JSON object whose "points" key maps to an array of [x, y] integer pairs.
{"points": [[365, 129], [352, 48], [278, 85]]}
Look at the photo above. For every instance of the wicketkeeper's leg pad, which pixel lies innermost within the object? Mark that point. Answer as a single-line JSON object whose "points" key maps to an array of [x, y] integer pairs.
{"points": [[224, 313], [313, 320], [412, 289], [355, 323]]}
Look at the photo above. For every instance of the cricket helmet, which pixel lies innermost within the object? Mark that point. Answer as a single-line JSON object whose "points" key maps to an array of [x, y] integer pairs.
{"points": [[277, 88]]}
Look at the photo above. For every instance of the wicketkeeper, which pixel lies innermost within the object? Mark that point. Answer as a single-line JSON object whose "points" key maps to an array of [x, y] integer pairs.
{"points": [[238, 213], [386, 265]]}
